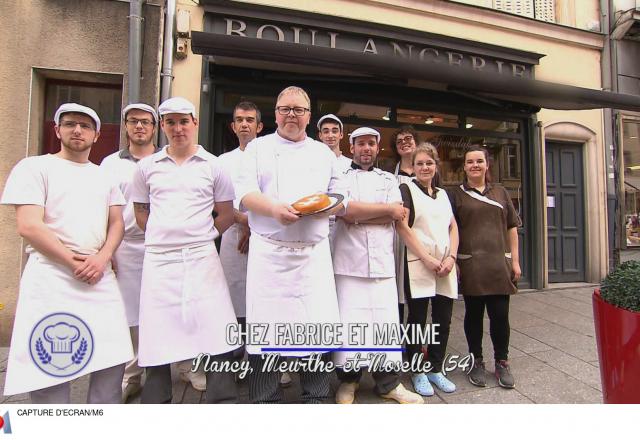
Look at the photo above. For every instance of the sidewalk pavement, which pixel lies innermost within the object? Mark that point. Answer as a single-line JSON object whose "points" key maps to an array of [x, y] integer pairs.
{"points": [[552, 354]]}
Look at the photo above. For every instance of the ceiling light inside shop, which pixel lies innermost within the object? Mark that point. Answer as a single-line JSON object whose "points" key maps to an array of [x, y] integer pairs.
{"points": [[469, 125], [429, 120], [387, 115]]}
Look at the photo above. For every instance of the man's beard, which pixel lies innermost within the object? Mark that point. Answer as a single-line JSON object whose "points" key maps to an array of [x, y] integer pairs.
{"points": [[78, 148], [138, 142]]}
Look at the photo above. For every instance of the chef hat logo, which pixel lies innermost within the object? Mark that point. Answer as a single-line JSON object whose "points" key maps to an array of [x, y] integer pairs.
{"points": [[61, 337]]}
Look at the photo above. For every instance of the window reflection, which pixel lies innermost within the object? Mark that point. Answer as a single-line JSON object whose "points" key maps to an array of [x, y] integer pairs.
{"points": [[631, 164]]}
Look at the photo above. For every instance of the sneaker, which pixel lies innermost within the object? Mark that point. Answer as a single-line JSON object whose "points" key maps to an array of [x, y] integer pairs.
{"points": [[441, 381], [401, 395], [478, 375], [130, 390], [285, 380], [421, 385], [198, 379], [504, 376], [346, 393]]}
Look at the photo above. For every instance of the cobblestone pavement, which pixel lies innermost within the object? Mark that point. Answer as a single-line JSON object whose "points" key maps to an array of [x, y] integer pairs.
{"points": [[552, 354]]}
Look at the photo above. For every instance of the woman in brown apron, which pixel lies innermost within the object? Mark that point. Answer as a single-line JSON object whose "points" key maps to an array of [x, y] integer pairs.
{"points": [[488, 261]]}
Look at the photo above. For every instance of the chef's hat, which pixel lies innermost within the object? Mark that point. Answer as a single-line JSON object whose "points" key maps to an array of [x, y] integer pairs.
{"points": [[177, 105], [140, 106], [363, 131], [61, 336], [72, 107]]}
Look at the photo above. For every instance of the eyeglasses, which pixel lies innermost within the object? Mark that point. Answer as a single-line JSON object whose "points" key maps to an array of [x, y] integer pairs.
{"points": [[404, 140], [72, 125], [298, 111], [144, 122]]}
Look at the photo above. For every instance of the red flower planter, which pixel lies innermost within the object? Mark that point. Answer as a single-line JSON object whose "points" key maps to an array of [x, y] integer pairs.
{"points": [[618, 339]]}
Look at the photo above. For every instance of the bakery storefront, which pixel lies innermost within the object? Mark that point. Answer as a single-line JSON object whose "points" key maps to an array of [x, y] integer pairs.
{"points": [[454, 92]]}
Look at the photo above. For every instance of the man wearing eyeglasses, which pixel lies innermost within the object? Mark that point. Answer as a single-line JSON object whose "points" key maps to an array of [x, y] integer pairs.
{"points": [[140, 121], [70, 319], [185, 306], [290, 274]]}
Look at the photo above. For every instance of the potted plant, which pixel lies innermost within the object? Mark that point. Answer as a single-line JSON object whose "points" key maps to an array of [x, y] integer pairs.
{"points": [[616, 312]]}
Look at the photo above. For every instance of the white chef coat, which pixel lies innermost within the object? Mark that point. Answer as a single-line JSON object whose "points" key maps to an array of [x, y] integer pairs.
{"points": [[367, 250], [184, 299], [122, 166], [286, 171], [289, 275], [344, 163], [364, 264], [182, 198], [233, 262], [76, 199]]}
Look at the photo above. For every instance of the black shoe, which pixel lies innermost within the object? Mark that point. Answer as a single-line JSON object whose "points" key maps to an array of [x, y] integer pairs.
{"points": [[504, 376], [478, 375]]}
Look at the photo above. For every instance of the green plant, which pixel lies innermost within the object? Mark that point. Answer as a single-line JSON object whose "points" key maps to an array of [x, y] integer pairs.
{"points": [[621, 287]]}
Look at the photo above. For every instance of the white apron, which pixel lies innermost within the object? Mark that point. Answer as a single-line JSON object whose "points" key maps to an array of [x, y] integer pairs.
{"points": [[371, 301], [48, 294], [431, 228], [234, 265], [303, 291], [184, 306], [129, 257]]}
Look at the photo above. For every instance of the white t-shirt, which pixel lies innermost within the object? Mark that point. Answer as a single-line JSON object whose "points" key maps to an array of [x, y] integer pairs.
{"points": [[181, 198], [76, 198], [286, 171], [122, 170]]}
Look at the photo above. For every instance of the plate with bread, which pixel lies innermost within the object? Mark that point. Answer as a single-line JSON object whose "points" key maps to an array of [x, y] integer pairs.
{"points": [[317, 203]]}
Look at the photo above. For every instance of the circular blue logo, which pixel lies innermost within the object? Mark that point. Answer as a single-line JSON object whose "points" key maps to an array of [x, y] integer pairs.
{"points": [[61, 344]]}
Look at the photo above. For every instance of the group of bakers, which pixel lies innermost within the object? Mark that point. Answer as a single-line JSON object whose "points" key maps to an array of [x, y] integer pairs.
{"points": [[123, 277]]}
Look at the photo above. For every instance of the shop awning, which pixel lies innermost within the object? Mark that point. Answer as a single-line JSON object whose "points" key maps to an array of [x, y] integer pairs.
{"points": [[522, 90]]}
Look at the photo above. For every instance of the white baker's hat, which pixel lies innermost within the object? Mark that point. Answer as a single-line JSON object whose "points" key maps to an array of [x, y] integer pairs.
{"points": [[72, 107], [177, 105], [363, 131], [331, 117], [140, 106]]}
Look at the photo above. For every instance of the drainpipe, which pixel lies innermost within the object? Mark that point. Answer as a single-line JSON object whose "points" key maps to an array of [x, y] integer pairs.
{"points": [[166, 74], [610, 142], [135, 49]]}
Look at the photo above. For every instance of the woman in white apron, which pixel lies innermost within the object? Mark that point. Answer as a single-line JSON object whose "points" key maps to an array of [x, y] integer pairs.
{"points": [[431, 235]]}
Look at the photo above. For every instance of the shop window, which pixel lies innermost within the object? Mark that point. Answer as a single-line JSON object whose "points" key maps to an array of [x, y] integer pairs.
{"points": [[105, 99], [428, 118], [631, 164], [351, 110], [492, 125]]}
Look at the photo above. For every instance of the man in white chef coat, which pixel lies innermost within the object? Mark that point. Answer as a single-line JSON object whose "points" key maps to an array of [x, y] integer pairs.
{"points": [[140, 122], [70, 319], [185, 305], [330, 133], [290, 274], [365, 270], [235, 241]]}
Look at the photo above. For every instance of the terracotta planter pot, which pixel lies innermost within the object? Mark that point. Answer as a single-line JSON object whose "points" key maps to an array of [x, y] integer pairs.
{"points": [[618, 339]]}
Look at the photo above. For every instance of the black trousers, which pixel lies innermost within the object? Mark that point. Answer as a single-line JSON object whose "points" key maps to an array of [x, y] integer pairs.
{"points": [[385, 381], [221, 386], [441, 309], [264, 386], [498, 310]]}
